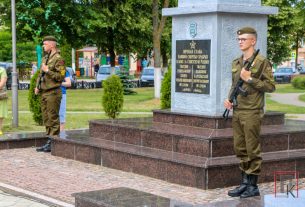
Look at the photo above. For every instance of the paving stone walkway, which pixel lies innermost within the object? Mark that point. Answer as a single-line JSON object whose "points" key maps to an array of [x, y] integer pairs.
{"points": [[287, 98], [58, 178], [18, 201]]}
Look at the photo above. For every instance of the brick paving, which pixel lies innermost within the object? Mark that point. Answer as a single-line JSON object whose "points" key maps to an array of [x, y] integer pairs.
{"points": [[58, 178]]}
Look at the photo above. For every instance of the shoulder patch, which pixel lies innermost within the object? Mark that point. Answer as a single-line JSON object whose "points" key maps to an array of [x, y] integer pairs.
{"points": [[62, 70]]}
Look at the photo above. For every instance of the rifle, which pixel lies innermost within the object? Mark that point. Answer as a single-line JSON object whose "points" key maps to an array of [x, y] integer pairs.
{"points": [[238, 88], [43, 73]]}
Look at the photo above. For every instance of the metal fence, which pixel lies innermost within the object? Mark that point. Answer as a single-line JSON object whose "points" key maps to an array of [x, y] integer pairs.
{"points": [[82, 85]]}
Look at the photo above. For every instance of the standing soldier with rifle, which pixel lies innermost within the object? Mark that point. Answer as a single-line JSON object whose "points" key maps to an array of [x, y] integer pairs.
{"points": [[248, 111], [48, 85]]}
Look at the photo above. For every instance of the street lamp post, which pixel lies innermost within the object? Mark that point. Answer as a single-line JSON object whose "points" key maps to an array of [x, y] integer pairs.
{"points": [[14, 73]]}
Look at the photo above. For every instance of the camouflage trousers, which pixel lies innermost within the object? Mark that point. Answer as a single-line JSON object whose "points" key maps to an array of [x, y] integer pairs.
{"points": [[246, 132]]}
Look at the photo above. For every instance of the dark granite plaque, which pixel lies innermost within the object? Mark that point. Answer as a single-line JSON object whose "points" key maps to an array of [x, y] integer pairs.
{"points": [[193, 66]]}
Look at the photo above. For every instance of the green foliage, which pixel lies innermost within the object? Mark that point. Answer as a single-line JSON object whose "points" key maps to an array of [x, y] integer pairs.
{"points": [[127, 83], [284, 28], [6, 46], [25, 50], [166, 90], [35, 100], [66, 54], [298, 82], [113, 97]]}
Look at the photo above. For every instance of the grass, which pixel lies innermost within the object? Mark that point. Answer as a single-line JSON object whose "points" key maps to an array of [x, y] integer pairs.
{"points": [[302, 97], [73, 121], [91, 100], [290, 109], [82, 100], [287, 88]]}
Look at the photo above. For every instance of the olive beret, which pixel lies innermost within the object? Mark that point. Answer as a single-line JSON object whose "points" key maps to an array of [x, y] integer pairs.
{"points": [[246, 30], [49, 38]]}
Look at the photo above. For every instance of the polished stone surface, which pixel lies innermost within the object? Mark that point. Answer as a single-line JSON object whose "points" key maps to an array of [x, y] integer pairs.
{"points": [[197, 141], [213, 122], [186, 155], [147, 124], [126, 197]]}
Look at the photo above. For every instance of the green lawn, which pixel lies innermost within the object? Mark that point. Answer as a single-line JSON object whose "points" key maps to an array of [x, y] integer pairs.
{"points": [[275, 106], [287, 88], [302, 97], [83, 100], [91, 100]]}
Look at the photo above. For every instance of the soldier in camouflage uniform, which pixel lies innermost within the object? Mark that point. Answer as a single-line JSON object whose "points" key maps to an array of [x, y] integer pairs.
{"points": [[248, 113], [48, 85]]}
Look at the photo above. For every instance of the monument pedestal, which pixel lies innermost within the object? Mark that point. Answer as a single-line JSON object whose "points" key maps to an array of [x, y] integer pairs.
{"points": [[212, 122], [192, 144], [193, 156]]}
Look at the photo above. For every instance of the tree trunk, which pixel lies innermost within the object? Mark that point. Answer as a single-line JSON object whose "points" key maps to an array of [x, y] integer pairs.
{"points": [[296, 52], [158, 26], [111, 47], [164, 59]]}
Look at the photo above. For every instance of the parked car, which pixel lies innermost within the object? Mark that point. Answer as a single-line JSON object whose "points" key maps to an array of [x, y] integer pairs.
{"points": [[302, 70], [104, 72], [147, 76], [283, 75]]}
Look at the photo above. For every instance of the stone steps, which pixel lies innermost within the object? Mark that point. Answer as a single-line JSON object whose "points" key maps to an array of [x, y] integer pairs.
{"points": [[173, 148], [13, 141], [190, 140], [188, 170]]}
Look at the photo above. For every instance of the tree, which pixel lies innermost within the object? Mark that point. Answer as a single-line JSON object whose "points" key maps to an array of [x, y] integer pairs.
{"points": [[6, 46], [35, 101], [283, 29], [25, 50], [114, 26], [158, 27], [113, 97], [119, 27], [166, 90], [299, 32]]}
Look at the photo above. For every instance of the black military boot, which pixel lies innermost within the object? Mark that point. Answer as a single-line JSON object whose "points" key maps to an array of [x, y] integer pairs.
{"points": [[252, 188], [240, 189], [45, 148]]}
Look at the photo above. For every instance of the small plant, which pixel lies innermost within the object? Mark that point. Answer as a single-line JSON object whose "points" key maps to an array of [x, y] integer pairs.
{"points": [[113, 97], [127, 83], [35, 100], [298, 82], [166, 90]]}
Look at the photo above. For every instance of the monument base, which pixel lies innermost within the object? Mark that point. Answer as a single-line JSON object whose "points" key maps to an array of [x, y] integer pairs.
{"points": [[187, 155], [212, 122]]}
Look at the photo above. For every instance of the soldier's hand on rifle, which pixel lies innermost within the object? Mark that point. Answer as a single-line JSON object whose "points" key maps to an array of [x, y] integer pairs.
{"points": [[36, 91], [228, 105], [45, 68], [245, 75]]}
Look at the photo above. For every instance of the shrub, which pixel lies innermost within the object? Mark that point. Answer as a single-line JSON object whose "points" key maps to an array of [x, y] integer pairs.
{"points": [[35, 101], [113, 97], [166, 90], [127, 83], [298, 82]]}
